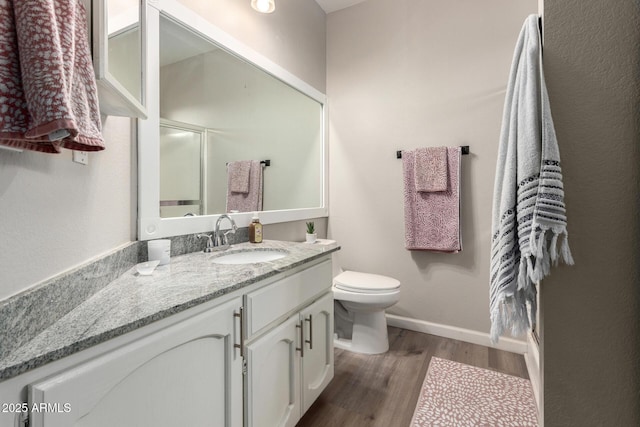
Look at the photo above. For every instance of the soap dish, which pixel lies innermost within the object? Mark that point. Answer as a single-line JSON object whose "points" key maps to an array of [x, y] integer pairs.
{"points": [[146, 268]]}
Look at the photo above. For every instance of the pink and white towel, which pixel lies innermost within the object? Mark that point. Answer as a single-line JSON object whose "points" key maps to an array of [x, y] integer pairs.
{"points": [[48, 94], [432, 219], [430, 169], [239, 174], [250, 201]]}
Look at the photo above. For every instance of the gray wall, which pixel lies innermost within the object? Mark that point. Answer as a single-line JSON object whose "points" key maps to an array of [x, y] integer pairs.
{"points": [[592, 310], [406, 74], [55, 214]]}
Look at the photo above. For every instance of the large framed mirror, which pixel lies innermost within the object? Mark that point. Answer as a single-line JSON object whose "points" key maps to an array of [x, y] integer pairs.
{"points": [[218, 112]]}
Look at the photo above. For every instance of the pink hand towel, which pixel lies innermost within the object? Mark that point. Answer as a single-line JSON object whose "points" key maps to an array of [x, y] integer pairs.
{"points": [[432, 220], [48, 87], [252, 200], [430, 169], [239, 174]]}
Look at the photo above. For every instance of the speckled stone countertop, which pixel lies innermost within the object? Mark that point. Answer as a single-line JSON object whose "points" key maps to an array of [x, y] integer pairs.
{"points": [[132, 300]]}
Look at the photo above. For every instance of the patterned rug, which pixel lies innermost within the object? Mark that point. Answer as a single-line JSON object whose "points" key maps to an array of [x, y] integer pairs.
{"points": [[457, 395]]}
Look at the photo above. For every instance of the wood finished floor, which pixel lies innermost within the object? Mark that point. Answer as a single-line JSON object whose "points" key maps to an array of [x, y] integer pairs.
{"points": [[382, 390]]}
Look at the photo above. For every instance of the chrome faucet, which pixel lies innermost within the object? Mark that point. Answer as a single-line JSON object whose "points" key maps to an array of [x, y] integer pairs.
{"points": [[209, 247], [221, 240]]}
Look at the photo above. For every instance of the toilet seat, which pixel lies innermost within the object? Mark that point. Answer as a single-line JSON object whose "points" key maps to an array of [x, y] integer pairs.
{"points": [[365, 283]]}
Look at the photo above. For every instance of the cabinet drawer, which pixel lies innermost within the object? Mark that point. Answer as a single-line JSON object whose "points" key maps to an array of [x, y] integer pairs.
{"points": [[267, 304]]}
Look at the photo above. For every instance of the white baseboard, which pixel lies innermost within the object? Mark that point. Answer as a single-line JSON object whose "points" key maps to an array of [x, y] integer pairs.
{"points": [[453, 332]]}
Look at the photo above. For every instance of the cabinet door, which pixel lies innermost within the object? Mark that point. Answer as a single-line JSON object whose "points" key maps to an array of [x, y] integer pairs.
{"points": [[317, 363], [187, 374], [273, 377]]}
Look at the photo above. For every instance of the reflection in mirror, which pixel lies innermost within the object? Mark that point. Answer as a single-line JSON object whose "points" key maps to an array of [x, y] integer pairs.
{"points": [[219, 104], [182, 178], [125, 51], [118, 54], [244, 114]]}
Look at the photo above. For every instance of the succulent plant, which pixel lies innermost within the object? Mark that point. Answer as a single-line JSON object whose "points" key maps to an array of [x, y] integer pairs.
{"points": [[311, 228]]}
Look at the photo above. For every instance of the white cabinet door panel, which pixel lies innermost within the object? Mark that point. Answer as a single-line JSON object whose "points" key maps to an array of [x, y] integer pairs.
{"points": [[187, 374], [317, 363], [273, 377]]}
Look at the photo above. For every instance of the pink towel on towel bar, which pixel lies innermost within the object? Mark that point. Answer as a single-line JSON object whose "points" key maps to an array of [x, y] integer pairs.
{"points": [[47, 87], [252, 200], [432, 220], [430, 169], [239, 174]]}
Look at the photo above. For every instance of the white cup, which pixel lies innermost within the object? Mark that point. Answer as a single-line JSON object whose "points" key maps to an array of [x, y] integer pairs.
{"points": [[159, 250]]}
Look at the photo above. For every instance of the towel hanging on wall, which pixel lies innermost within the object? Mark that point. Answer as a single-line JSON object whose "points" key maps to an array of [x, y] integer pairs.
{"points": [[529, 221], [432, 219], [430, 169], [47, 86]]}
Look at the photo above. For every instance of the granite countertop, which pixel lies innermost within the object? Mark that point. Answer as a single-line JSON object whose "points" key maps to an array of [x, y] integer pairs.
{"points": [[132, 300]]}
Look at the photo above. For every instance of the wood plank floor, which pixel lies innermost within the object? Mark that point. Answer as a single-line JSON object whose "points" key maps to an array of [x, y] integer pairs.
{"points": [[382, 390]]}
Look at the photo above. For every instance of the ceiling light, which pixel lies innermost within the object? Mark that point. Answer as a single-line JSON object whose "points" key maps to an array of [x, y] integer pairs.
{"points": [[264, 6]]}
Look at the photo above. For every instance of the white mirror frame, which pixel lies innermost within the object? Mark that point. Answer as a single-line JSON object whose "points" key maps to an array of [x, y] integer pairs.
{"points": [[115, 99], [150, 225]]}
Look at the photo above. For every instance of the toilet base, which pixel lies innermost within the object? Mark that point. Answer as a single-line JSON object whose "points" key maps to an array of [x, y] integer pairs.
{"points": [[369, 334]]}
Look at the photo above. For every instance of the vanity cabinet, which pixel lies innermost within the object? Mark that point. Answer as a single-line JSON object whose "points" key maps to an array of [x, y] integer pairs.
{"points": [[258, 356], [189, 373], [289, 364]]}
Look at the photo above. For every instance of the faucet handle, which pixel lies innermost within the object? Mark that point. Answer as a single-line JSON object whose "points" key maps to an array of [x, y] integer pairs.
{"points": [[209, 247], [225, 236]]}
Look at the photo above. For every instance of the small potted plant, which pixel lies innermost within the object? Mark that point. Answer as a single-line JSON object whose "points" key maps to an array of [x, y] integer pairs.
{"points": [[311, 232]]}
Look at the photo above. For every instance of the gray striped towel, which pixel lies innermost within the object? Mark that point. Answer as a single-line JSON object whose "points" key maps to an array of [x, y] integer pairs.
{"points": [[529, 224]]}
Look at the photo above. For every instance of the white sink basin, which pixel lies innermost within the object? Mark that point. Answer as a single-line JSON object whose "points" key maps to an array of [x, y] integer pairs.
{"points": [[250, 257]]}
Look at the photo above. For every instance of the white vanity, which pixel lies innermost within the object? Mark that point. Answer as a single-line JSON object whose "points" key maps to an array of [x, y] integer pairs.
{"points": [[289, 346], [257, 354]]}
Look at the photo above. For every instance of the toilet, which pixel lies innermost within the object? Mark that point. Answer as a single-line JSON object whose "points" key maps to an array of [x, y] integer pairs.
{"points": [[360, 302]]}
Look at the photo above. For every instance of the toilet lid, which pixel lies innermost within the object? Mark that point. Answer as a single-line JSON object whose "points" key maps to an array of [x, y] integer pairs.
{"points": [[353, 281]]}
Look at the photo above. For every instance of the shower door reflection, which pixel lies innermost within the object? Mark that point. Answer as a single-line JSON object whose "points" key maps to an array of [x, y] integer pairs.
{"points": [[182, 153]]}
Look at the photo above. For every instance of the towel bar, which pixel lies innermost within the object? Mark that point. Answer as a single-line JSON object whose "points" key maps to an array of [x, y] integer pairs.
{"points": [[465, 150], [262, 162]]}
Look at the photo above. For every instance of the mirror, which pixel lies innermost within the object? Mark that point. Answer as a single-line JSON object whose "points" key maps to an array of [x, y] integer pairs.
{"points": [[118, 55], [213, 102], [244, 113]]}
